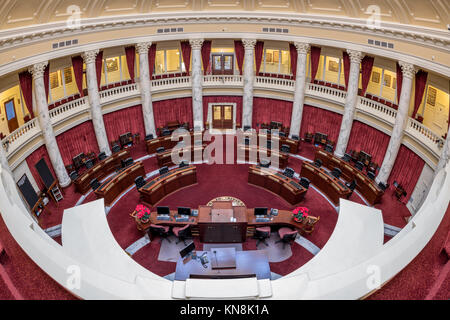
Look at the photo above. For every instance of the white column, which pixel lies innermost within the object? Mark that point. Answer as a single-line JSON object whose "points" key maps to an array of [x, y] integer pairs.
{"points": [[445, 154], [45, 123], [196, 76], [94, 101], [401, 120], [144, 83], [3, 159], [300, 85], [350, 102], [249, 79]]}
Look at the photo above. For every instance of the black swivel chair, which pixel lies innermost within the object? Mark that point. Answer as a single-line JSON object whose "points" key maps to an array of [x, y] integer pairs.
{"points": [[160, 149], [127, 162], [162, 231], [295, 137], [163, 170], [264, 164], [149, 137], [383, 186], [73, 175], [262, 233], [304, 182], [336, 172], [282, 134], [183, 164], [371, 175], [94, 184], [182, 233], [289, 172], [166, 132], [247, 128], [269, 144], [101, 156], [139, 182], [285, 148], [352, 185], [318, 163], [89, 164], [347, 157], [247, 141], [287, 235], [115, 148], [359, 165], [329, 148]]}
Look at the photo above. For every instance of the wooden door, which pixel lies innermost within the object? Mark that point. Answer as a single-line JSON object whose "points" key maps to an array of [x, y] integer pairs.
{"points": [[222, 116], [222, 63], [11, 115]]}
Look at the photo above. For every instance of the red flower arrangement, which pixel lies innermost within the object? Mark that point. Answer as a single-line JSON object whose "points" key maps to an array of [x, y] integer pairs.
{"points": [[142, 212], [300, 213]]}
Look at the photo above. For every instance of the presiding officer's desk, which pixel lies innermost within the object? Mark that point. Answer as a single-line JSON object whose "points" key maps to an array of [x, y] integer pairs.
{"points": [[100, 170], [247, 151], [367, 187], [165, 158], [274, 181], [158, 188], [113, 187], [326, 182]]}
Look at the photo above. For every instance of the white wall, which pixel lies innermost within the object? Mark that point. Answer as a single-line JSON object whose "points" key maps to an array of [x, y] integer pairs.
{"points": [[421, 189]]}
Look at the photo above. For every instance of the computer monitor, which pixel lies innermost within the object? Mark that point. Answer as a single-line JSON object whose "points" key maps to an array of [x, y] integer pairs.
{"points": [[261, 211], [187, 250], [162, 210], [183, 211]]}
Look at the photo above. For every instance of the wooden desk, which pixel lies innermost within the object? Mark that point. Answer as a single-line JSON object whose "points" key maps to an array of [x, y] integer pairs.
{"points": [[172, 222], [167, 142], [158, 188], [328, 184], [367, 187], [114, 186], [165, 158], [276, 182], [246, 150], [293, 144], [100, 170]]}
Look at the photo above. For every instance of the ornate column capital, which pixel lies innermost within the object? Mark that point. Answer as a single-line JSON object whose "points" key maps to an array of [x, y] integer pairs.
{"points": [[37, 70], [302, 47], [196, 44], [408, 69], [142, 47], [355, 56], [89, 56], [249, 44]]}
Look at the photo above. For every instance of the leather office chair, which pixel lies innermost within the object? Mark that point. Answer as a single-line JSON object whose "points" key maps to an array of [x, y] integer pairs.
{"points": [[115, 148], [94, 184], [89, 164], [347, 157], [295, 137], [161, 231], [183, 164], [73, 175], [383, 186], [282, 134], [287, 235], [149, 137], [182, 233], [139, 182], [329, 148], [163, 170], [318, 163], [247, 141], [166, 132], [127, 162], [101, 156], [160, 149], [371, 175], [304, 182], [289, 172], [336, 172], [262, 233], [247, 128], [352, 185], [285, 148], [359, 165], [264, 164]]}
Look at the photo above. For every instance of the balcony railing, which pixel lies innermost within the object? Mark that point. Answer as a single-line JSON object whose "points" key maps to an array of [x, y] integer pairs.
{"points": [[223, 80], [377, 109], [68, 110], [323, 92], [19, 137], [114, 94], [424, 135], [274, 83], [171, 83]]}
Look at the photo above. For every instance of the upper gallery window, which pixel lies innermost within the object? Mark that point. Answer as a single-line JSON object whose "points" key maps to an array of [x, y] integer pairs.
{"points": [[276, 61]]}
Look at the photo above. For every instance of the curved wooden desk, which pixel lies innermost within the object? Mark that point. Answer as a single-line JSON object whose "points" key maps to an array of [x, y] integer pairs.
{"points": [[246, 150], [165, 158], [161, 186], [100, 170], [114, 186], [167, 142], [276, 182], [328, 184]]}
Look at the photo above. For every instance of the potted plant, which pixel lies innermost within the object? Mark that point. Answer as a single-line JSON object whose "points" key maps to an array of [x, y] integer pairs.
{"points": [[300, 213], [142, 213]]}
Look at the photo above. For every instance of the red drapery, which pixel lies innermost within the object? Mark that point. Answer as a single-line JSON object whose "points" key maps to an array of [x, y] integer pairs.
{"points": [[399, 81], [293, 52], [315, 57], [259, 50], [47, 79], [26, 85], [171, 110], [421, 81], [206, 51], [98, 67], [77, 64], [76, 140], [319, 120], [266, 110], [406, 171], [239, 52], [346, 62], [130, 53], [123, 121], [366, 72], [34, 158], [223, 99], [368, 139], [151, 59], [186, 53]]}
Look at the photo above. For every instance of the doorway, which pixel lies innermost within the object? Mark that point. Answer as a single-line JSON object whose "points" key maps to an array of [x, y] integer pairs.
{"points": [[222, 117], [11, 115], [222, 63]]}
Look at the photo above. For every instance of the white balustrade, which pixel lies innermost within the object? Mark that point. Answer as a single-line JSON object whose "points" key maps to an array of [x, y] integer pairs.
{"points": [[377, 109], [223, 79], [274, 83], [424, 135], [19, 137], [113, 94], [171, 83], [68, 110], [324, 92]]}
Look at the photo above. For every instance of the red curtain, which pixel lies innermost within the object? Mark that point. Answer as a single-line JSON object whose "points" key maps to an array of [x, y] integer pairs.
{"points": [[186, 53], [151, 59], [239, 52], [26, 85], [223, 99], [123, 121], [319, 120], [171, 110], [34, 158], [421, 81], [315, 57], [399, 81], [76, 140], [366, 72], [259, 50], [77, 63], [266, 110], [368, 139], [47, 79], [293, 52], [206, 51], [130, 53], [346, 62], [98, 67], [406, 171]]}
